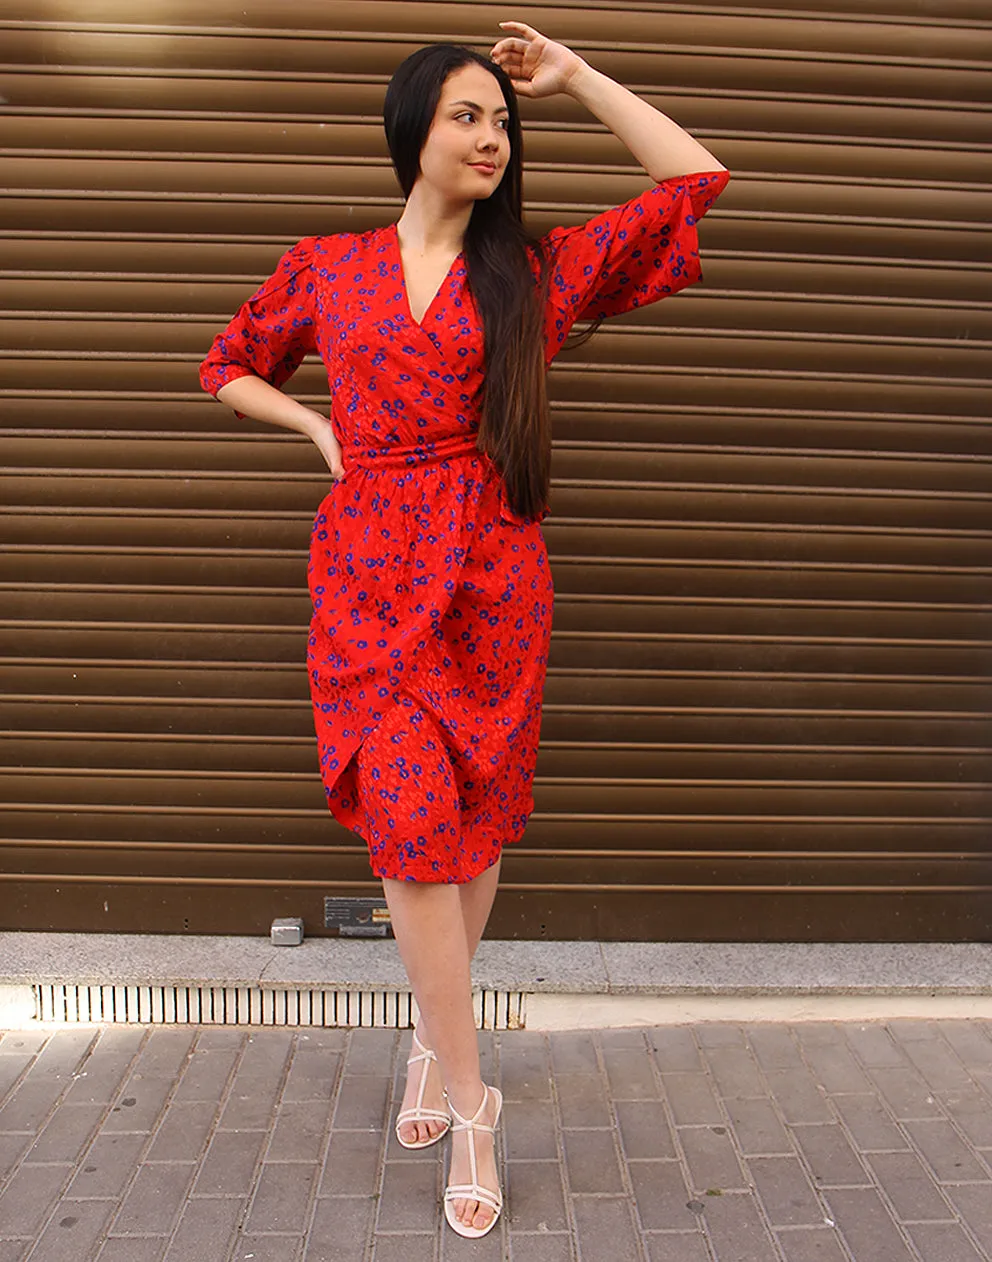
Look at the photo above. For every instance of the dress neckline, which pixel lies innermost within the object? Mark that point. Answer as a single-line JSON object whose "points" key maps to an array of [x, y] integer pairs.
{"points": [[395, 236]]}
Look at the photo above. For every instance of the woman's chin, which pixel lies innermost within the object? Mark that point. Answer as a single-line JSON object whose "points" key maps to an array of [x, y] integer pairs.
{"points": [[489, 186]]}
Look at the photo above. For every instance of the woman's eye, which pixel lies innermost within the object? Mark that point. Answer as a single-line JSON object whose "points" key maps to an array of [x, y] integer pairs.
{"points": [[503, 122]]}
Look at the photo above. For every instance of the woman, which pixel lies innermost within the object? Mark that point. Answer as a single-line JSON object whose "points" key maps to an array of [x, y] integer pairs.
{"points": [[429, 575]]}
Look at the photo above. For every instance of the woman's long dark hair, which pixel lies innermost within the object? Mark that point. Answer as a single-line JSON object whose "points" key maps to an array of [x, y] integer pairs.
{"points": [[515, 426]]}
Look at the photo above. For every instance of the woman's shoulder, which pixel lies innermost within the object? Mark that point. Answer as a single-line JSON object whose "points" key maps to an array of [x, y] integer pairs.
{"points": [[339, 247]]}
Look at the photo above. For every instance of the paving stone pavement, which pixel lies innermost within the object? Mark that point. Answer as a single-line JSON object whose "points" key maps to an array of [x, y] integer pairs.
{"points": [[816, 1142]]}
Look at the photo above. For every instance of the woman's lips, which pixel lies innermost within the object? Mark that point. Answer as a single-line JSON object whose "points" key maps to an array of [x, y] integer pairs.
{"points": [[486, 168]]}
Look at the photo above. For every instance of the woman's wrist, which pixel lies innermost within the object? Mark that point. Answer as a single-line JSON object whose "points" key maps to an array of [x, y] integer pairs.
{"points": [[309, 422], [582, 82]]}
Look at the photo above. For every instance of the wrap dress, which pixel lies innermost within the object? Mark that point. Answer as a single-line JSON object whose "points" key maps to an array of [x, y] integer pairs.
{"points": [[432, 600]]}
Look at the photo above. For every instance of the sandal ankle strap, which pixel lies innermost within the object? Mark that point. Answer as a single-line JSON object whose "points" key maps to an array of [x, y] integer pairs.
{"points": [[472, 1123]]}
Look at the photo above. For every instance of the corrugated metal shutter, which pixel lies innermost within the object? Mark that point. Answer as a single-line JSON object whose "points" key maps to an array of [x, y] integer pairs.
{"points": [[768, 712]]}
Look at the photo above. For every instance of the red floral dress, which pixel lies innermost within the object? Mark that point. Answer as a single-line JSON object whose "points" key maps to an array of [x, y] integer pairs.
{"points": [[432, 600]]}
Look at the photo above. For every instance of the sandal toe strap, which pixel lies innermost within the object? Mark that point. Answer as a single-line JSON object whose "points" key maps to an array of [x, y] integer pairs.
{"points": [[422, 1115], [473, 1192]]}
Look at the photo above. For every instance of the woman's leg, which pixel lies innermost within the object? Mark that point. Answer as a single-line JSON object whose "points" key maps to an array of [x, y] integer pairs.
{"points": [[477, 898], [402, 767], [433, 940], [476, 902]]}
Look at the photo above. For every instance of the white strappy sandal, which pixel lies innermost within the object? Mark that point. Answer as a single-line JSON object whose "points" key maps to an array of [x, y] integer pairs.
{"points": [[418, 1113], [473, 1191]]}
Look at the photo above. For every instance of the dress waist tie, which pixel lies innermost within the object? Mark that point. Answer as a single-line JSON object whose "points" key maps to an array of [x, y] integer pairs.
{"points": [[395, 456]]}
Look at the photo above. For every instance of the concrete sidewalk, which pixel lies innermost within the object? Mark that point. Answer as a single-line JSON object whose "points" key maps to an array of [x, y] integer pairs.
{"points": [[565, 985], [812, 1142]]}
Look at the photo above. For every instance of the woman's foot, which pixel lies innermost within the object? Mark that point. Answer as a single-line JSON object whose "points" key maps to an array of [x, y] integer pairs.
{"points": [[471, 1212], [423, 1132]]}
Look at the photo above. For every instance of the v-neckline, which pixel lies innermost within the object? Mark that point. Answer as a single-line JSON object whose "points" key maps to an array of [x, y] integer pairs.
{"points": [[419, 324]]}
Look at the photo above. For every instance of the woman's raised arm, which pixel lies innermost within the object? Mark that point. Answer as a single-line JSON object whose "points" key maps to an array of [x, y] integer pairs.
{"points": [[540, 67]]}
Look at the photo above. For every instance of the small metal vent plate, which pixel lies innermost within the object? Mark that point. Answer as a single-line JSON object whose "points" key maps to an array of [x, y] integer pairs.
{"points": [[253, 1005]]}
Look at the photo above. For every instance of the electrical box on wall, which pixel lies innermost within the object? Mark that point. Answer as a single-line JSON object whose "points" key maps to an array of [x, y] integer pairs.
{"points": [[358, 917]]}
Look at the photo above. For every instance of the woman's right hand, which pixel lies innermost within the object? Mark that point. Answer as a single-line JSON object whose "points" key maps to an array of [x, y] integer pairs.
{"points": [[328, 445], [251, 396]]}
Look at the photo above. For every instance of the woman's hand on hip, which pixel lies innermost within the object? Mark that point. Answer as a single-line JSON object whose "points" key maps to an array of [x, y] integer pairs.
{"points": [[251, 396], [537, 66], [329, 447]]}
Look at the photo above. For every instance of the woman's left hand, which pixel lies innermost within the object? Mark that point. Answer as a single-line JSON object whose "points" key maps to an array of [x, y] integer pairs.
{"points": [[537, 66]]}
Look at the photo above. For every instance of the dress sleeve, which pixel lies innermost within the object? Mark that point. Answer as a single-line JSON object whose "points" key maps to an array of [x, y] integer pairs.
{"points": [[272, 331], [629, 256]]}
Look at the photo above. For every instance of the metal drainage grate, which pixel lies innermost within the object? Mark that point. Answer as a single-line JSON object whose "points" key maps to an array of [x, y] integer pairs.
{"points": [[252, 1005]]}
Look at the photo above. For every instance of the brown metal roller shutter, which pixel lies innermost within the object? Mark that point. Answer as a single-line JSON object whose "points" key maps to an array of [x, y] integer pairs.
{"points": [[768, 710]]}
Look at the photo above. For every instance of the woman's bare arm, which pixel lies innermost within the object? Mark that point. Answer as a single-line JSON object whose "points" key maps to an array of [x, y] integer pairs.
{"points": [[541, 67], [659, 144]]}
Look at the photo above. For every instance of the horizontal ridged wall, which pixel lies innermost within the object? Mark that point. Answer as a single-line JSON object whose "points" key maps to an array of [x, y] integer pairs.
{"points": [[768, 707]]}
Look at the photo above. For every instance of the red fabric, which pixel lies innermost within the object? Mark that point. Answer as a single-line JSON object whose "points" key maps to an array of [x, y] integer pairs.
{"points": [[432, 600]]}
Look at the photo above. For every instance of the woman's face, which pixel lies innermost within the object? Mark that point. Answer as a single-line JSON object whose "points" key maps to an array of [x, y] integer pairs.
{"points": [[468, 146]]}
